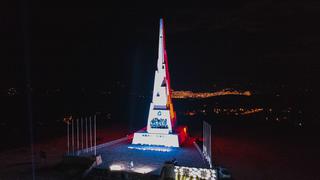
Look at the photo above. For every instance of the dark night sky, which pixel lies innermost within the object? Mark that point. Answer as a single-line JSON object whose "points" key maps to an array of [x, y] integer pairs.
{"points": [[262, 42]]}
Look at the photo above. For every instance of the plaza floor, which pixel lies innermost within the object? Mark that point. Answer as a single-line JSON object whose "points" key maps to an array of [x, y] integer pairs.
{"points": [[146, 159]]}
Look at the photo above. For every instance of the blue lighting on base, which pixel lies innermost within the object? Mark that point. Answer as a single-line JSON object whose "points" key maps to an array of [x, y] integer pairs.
{"points": [[150, 148]]}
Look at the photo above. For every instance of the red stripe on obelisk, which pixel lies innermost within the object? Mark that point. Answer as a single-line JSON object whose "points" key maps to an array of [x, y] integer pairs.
{"points": [[166, 58]]}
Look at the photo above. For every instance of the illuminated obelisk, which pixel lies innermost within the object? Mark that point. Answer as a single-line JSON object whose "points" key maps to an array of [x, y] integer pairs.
{"points": [[161, 119]]}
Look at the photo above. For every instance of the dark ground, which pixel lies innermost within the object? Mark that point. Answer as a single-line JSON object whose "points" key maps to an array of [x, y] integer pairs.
{"points": [[250, 150], [261, 151]]}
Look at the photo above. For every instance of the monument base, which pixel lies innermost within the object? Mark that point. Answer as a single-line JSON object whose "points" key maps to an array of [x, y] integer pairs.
{"points": [[144, 138]]}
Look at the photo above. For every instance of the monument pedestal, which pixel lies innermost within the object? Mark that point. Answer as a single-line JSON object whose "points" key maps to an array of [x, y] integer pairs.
{"points": [[170, 140]]}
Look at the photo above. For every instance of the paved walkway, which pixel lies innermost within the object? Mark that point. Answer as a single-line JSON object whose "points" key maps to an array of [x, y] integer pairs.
{"points": [[125, 154]]}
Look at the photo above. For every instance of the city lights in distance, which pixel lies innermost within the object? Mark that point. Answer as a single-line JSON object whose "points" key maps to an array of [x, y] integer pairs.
{"points": [[201, 95]]}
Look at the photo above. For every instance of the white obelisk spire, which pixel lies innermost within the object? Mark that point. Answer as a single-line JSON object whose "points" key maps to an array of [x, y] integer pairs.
{"points": [[161, 117], [160, 91], [161, 46]]}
